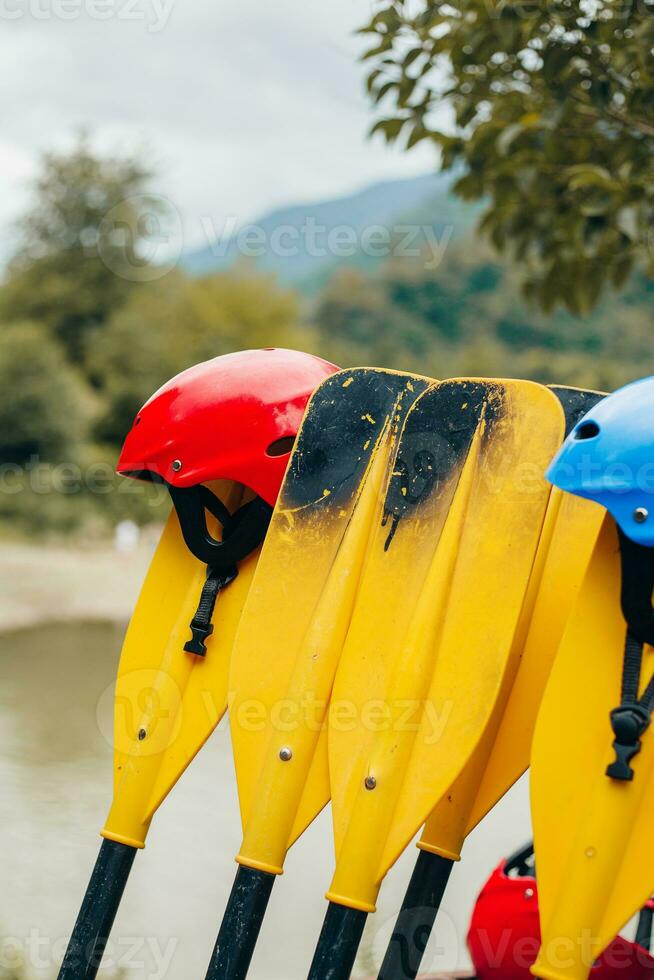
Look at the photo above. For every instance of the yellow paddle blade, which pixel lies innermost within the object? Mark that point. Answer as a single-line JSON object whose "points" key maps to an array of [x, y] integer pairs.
{"points": [[592, 834], [298, 611], [431, 637], [502, 755], [168, 701], [569, 534]]}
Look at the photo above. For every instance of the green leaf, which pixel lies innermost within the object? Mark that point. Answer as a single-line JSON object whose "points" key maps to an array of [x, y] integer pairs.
{"points": [[384, 46], [590, 175], [383, 90], [411, 57], [418, 133], [372, 78], [405, 91], [390, 19], [391, 128]]}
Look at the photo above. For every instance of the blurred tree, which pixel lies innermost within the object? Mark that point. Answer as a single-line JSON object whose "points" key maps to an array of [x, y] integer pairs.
{"points": [[84, 244], [468, 317], [366, 325], [165, 328], [44, 408], [553, 104]]}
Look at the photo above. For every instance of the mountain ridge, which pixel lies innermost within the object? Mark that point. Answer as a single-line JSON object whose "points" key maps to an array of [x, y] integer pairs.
{"points": [[303, 244]]}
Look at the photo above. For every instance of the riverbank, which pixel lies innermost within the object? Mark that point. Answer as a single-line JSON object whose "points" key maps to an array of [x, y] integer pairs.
{"points": [[48, 583]]}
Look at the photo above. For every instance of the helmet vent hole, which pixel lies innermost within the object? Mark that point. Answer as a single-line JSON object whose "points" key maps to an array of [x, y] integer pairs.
{"points": [[281, 447], [587, 430]]}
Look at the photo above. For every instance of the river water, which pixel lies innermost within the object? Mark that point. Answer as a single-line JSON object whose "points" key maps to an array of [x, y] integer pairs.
{"points": [[55, 778]]}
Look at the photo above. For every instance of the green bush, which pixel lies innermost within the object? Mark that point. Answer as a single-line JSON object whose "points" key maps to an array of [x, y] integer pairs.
{"points": [[44, 408]]}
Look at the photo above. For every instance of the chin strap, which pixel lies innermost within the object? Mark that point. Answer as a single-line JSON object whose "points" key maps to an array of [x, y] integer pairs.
{"points": [[242, 532], [201, 625], [631, 719], [521, 862], [217, 578]]}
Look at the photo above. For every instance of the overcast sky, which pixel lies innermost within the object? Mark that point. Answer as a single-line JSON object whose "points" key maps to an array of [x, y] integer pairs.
{"points": [[244, 104]]}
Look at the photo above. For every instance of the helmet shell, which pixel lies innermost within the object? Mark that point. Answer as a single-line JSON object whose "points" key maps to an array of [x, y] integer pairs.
{"points": [[505, 904], [504, 935], [609, 458], [230, 418]]}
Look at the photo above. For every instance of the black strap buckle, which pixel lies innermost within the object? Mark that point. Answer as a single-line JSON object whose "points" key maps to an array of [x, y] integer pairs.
{"points": [[196, 645], [201, 625], [629, 723]]}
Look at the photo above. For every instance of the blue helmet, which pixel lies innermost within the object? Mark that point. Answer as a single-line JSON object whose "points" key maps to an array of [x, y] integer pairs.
{"points": [[609, 457]]}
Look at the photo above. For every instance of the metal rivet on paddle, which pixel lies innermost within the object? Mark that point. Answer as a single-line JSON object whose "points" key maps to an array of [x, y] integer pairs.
{"points": [[141, 734], [177, 465], [640, 515], [286, 754], [370, 782]]}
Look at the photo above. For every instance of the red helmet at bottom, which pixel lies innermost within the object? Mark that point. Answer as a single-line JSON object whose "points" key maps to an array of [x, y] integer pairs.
{"points": [[504, 934]]}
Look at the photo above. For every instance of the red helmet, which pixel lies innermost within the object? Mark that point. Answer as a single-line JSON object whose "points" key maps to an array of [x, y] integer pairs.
{"points": [[233, 418], [504, 935]]}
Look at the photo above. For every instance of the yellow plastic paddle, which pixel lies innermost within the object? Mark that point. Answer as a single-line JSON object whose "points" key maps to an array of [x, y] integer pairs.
{"points": [[293, 628], [167, 703], [431, 638], [592, 833], [502, 755]]}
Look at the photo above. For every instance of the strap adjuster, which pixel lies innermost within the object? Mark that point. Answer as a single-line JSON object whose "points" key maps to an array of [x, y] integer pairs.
{"points": [[201, 626], [629, 723], [196, 644]]}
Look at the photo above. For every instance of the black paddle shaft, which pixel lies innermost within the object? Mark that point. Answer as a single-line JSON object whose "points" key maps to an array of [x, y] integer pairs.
{"points": [[241, 923], [98, 911], [338, 944], [416, 918]]}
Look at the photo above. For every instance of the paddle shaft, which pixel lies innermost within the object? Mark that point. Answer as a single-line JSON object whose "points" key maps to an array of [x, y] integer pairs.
{"points": [[416, 917], [98, 911], [644, 930], [241, 923], [338, 944]]}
